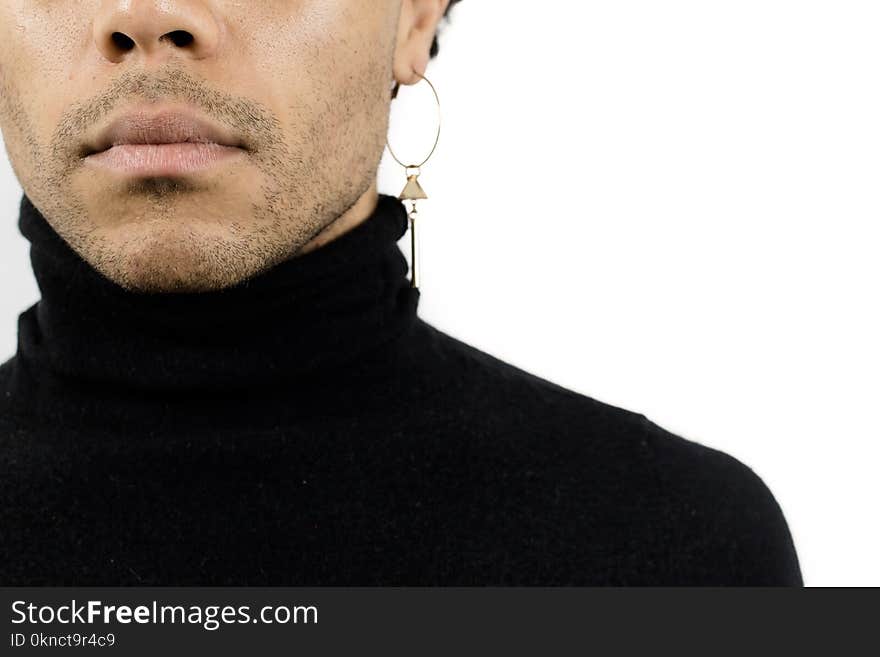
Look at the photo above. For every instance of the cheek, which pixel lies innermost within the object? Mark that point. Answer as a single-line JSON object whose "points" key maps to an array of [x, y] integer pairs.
{"points": [[314, 55], [39, 56]]}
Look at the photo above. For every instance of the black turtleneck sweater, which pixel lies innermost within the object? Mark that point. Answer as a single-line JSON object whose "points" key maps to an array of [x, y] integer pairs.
{"points": [[306, 427]]}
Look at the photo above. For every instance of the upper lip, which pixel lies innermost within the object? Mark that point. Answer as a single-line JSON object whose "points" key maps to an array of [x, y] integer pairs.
{"points": [[163, 127]]}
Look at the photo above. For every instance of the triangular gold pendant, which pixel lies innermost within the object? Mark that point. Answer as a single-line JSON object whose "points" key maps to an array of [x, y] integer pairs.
{"points": [[413, 189]]}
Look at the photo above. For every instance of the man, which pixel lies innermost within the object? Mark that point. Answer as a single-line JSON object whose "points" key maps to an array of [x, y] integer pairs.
{"points": [[226, 380]]}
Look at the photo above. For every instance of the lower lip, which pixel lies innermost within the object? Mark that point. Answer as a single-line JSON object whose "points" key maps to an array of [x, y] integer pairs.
{"points": [[163, 159]]}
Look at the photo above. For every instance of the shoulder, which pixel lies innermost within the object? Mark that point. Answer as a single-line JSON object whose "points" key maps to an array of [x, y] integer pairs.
{"points": [[729, 527], [697, 514]]}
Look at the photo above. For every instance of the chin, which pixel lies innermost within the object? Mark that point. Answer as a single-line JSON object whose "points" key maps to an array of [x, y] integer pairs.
{"points": [[172, 257]]}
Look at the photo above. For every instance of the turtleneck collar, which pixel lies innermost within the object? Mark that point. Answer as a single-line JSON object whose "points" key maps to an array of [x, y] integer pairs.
{"points": [[309, 315]]}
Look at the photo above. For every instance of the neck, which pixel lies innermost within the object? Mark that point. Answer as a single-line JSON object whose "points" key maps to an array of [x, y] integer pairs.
{"points": [[355, 215], [318, 316]]}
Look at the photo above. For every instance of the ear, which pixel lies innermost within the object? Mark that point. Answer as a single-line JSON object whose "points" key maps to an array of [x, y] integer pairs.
{"points": [[416, 28]]}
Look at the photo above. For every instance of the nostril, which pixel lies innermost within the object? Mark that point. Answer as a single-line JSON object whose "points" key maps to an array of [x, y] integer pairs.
{"points": [[180, 38], [122, 41]]}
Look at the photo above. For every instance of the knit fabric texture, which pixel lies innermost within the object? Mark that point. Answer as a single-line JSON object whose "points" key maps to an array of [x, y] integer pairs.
{"points": [[307, 428]]}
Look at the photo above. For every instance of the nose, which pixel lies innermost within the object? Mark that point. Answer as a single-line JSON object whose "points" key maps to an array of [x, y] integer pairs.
{"points": [[155, 29]]}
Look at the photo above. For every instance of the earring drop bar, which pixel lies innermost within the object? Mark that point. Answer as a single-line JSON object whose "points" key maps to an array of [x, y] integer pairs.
{"points": [[416, 259], [412, 192]]}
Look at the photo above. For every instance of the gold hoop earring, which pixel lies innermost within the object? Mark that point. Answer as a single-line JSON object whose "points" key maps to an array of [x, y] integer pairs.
{"points": [[413, 190]]}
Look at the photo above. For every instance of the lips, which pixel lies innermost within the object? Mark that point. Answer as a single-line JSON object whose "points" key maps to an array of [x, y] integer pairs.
{"points": [[163, 143]]}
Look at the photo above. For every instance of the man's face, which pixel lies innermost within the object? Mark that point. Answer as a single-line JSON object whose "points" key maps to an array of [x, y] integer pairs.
{"points": [[301, 87]]}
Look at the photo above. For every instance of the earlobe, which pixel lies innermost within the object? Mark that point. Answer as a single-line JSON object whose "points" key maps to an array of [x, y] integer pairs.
{"points": [[412, 67]]}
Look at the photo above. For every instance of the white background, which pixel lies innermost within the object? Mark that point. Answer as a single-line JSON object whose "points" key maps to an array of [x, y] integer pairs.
{"points": [[671, 207]]}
